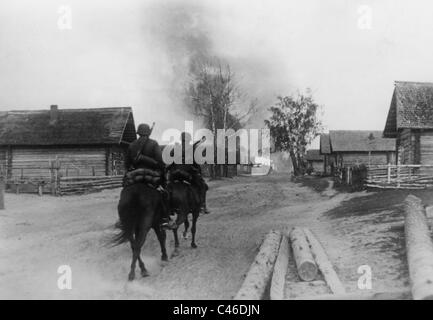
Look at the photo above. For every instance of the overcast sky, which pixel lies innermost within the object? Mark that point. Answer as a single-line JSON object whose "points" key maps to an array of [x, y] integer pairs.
{"points": [[136, 53]]}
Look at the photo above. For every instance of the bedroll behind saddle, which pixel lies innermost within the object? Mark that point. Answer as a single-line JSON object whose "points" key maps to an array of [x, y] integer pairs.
{"points": [[142, 175]]}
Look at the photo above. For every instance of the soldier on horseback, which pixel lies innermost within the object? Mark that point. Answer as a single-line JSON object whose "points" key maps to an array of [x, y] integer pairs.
{"points": [[191, 172], [144, 163]]}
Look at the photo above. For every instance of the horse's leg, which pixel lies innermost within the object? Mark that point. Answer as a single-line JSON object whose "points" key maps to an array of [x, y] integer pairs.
{"points": [[143, 269], [185, 231], [145, 226], [193, 228], [176, 239], [131, 275], [162, 236], [176, 244]]}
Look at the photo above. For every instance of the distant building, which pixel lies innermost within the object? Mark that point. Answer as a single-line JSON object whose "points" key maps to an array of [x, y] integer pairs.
{"points": [[410, 121], [355, 147], [315, 160], [325, 150], [85, 142]]}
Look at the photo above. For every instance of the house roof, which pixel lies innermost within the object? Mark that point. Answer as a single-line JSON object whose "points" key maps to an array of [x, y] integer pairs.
{"points": [[325, 145], [359, 140], [314, 155], [411, 107], [72, 127]]}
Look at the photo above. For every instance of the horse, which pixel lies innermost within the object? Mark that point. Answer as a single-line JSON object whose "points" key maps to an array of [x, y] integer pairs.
{"points": [[139, 210], [184, 199]]}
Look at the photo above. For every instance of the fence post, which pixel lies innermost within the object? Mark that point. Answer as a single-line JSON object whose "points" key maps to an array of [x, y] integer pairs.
{"points": [[55, 166], [2, 193], [347, 175], [398, 176], [351, 176], [53, 184], [389, 173], [57, 177]]}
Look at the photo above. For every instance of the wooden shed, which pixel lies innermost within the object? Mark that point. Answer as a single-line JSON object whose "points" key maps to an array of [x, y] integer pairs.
{"points": [[355, 147], [315, 160], [410, 121], [325, 150], [81, 142]]}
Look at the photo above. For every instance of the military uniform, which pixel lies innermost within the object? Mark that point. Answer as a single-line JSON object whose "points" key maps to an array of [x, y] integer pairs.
{"points": [[144, 164], [190, 172]]}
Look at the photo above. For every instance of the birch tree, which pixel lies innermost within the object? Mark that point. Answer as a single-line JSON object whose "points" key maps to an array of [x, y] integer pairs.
{"points": [[214, 96], [293, 125]]}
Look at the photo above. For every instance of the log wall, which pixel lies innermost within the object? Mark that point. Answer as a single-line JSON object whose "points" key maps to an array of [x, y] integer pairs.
{"points": [[36, 162], [347, 159], [406, 144], [2, 157], [426, 151], [30, 168]]}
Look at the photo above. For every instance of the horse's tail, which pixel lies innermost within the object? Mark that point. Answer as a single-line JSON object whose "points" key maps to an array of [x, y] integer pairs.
{"points": [[128, 220]]}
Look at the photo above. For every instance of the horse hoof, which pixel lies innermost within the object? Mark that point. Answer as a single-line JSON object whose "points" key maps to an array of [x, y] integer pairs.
{"points": [[144, 273], [185, 236], [175, 253], [131, 276], [193, 245], [164, 258]]}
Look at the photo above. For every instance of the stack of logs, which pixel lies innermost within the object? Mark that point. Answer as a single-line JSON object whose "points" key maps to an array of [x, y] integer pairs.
{"points": [[270, 267]]}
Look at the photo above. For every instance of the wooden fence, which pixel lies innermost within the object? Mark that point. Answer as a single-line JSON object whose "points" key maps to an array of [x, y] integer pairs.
{"points": [[406, 176], [77, 185], [53, 177]]}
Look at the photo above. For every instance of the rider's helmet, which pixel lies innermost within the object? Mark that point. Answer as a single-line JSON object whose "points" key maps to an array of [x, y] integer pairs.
{"points": [[143, 130]]}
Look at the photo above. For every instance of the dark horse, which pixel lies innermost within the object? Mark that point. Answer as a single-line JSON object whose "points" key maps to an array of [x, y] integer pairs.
{"points": [[139, 209], [184, 199]]}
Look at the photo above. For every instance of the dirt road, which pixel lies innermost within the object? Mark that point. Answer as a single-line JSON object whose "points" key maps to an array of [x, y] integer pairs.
{"points": [[38, 234]]}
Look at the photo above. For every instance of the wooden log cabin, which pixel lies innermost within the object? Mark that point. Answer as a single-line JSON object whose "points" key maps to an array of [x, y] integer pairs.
{"points": [[410, 121], [356, 147], [82, 142]]}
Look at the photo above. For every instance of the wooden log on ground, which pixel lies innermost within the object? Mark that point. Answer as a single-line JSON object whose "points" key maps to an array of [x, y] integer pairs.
{"points": [[392, 295], [419, 248], [324, 264], [429, 212], [278, 282], [257, 279], [305, 264], [399, 225]]}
